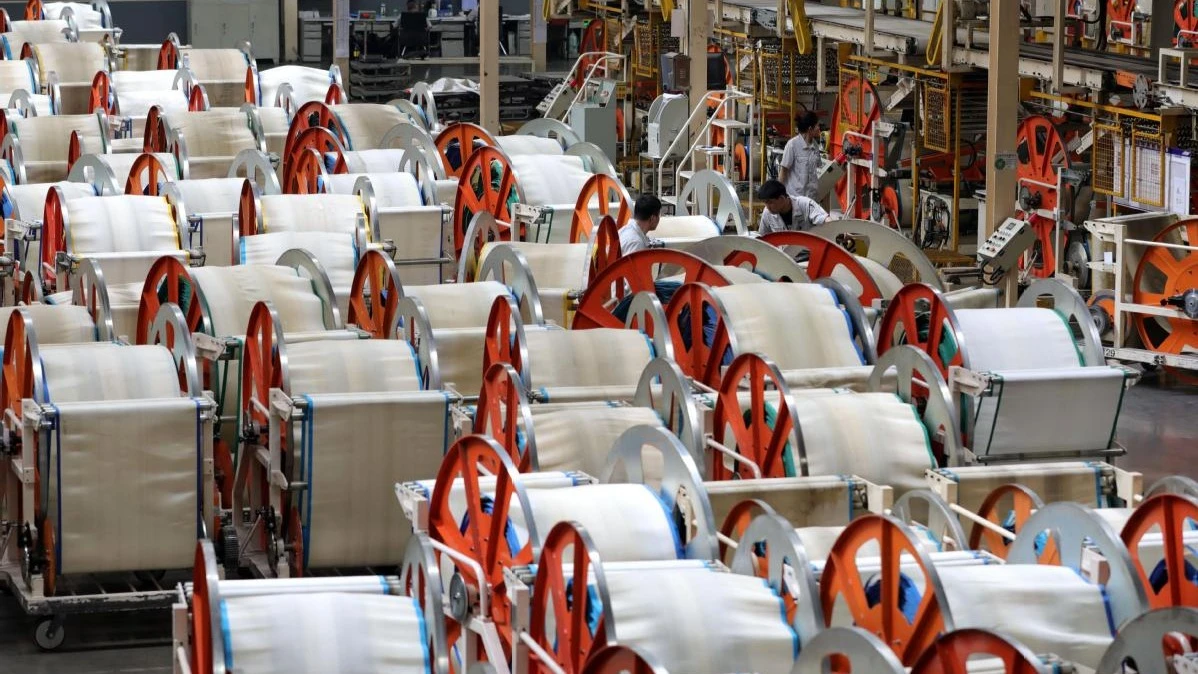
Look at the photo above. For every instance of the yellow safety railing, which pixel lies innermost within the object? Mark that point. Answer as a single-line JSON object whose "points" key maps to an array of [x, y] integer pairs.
{"points": [[802, 25]]}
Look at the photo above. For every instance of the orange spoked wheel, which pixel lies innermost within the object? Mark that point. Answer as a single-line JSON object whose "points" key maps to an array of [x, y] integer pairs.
{"points": [[561, 596], [374, 295], [251, 87], [458, 143], [168, 55], [304, 172], [100, 97], [487, 184], [169, 282], [599, 192], [594, 39], [74, 150], [146, 174], [19, 368], [919, 316], [857, 108], [1184, 19], [698, 355], [249, 211], [736, 522], [606, 250], [502, 338], [201, 615], [1170, 515], [1040, 153], [759, 436], [889, 209], [197, 100], [485, 535], [320, 140], [824, 257], [335, 95], [53, 236], [952, 652], [260, 367], [154, 139], [315, 114], [1165, 273], [1009, 505], [632, 274], [619, 659], [502, 410], [33, 10], [841, 581]]}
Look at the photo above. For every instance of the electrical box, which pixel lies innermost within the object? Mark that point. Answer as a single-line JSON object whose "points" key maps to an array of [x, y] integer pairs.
{"points": [[675, 71], [666, 121], [1002, 250], [596, 124], [717, 73]]}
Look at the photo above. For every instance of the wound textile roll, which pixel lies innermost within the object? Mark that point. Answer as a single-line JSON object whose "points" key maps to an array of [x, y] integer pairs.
{"points": [[366, 123], [15, 75], [692, 227], [324, 633], [553, 265], [338, 213], [447, 191], [852, 378], [702, 621], [356, 448], [45, 142], [1017, 339], [274, 127], [32, 32], [54, 324], [107, 372], [627, 522], [417, 234], [211, 195], [739, 275], [599, 357], [550, 180], [137, 104], [148, 80], [525, 145], [216, 65], [122, 162], [120, 224], [373, 161], [307, 84], [75, 62], [230, 294], [462, 305], [151, 449], [798, 325], [460, 358], [216, 133], [352, 366], [390, 189], [581, 437], [87, 17], [335, 251]]}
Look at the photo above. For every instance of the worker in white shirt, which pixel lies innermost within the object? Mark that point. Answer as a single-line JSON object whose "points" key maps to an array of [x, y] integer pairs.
{"points": [[784, 212], [634, 236], [800, 159]]}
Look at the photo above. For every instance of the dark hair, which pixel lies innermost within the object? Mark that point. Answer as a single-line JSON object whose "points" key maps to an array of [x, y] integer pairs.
{"points": [[771, 189], [646, 207], [806, 121]]}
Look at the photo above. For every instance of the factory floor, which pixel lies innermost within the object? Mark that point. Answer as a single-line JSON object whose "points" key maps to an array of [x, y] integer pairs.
{"points": [[1157, 425]]}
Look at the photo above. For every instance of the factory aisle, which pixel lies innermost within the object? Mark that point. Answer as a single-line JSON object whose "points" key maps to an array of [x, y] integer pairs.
{"points": [[1157, 425]]}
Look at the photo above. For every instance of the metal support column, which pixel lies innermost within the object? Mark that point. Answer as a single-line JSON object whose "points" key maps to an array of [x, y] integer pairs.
{"points": [[1002, 113], [698, 28], [290, 10], [342, 32], [1058, 46], [488, 66], [537, 30]]}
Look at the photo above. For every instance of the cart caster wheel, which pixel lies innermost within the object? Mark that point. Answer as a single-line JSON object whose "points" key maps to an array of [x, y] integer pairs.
{"points": [[49, 634]]}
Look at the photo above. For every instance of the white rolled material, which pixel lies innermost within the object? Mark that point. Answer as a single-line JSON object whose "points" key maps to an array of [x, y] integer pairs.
{"points": [[16, 75], [460, 357], [523, 144], [54, 325], [211, 195], [137, 104], [701, 621], [466, 305], [550, 179], [86, 16], [447, 191], [221, 72], [337, 253], [602, 357], [886, 280], [1017, 339], [391, 190], [46, 141], [120, 224], [151, 449], [28, 202], [31, 32], [366, 124], [685, 227], [352, 366], [324, 633], [214, 137], [354, 462], [553, 265], [338, 213], [560, 445], [230, 294], [627, 522], [145, 80], [274, 127], [40, 103], [798, 325], [121, 164], [74, 62], [373, 161], [108, 371], [307, 84]]}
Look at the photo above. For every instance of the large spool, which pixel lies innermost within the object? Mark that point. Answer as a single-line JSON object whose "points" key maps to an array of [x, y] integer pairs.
{"points": [[857, 108], [633, 274]]}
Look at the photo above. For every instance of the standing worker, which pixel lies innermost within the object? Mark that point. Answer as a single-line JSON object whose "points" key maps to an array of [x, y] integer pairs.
{"points": [[634, 236], [800, 159], [784, 212]]}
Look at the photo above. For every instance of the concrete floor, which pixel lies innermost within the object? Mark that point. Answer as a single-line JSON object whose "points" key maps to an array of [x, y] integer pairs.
{"points": [[1156, 426]]}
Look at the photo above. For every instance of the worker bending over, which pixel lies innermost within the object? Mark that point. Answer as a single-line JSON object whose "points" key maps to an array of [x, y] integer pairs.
{"points": [[634, 236], [784, 212], [800, 159]]}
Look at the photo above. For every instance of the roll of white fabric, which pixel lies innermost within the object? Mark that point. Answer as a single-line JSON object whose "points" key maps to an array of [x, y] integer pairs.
{"points": [[798, 325], [739, 275], [627, 522], [32, 32], [137, 104], [86, 16], [1071, 617], [150, 448], [230, 294], [702, 621], [337, 253], [373, 161], [120, 224], [147, 80], [692, 227], [560, 445], [842, 432], [307, 84], [390, 189], [28, 201], [365, 124], [587, 358], [324, 633], [851, 378], [211, 195], [352, 366], [122, 162], [54, 324], [41, 103], [523, 144], [1017, 339], [337, 213], [549, 180], [45, 143], [108, 371], [216, 65], [74, 62], [486, 484], [463, 305], [354, 463], [460, 357], [274, 127], [16, 75], [447, 191], [213, 138], [553, 265]]}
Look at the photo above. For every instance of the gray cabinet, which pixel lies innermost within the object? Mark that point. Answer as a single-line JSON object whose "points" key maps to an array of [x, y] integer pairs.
{"points": [[229, 23]]}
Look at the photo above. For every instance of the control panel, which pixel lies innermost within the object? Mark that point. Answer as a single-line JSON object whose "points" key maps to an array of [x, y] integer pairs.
{"points": [[1001, 251]]}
